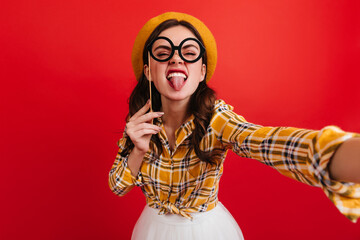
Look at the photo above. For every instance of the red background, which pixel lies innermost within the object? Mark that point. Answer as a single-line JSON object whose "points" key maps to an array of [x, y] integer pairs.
{"points": [[66, 76]]}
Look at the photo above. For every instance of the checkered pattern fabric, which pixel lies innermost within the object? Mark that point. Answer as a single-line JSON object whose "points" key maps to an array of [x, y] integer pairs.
{"points": [[178, 182]]}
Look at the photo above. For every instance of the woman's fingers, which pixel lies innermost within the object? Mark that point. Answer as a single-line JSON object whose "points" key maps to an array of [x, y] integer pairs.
{"points": [[144, 132], [137, 131], [142, 115], [148, 117], [142, 110], [143, 126], [139, 127]]}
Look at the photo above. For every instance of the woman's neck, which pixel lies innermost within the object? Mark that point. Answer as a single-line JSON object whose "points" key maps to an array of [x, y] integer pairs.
{"points": [[175, 113]]}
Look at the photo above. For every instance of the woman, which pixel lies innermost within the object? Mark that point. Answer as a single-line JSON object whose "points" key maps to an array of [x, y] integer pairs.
{"points": [[175, 151]]}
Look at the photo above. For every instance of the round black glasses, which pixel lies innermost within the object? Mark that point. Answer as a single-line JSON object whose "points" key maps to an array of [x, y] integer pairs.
{"points": [[162, 49]]}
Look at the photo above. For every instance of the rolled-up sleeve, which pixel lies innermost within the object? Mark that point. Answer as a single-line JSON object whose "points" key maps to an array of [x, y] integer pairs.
{"points": [[121, 181], [300, 154]]}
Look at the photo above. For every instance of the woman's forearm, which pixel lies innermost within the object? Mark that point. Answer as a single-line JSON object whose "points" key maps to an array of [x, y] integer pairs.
{"points": [[345, 164]]}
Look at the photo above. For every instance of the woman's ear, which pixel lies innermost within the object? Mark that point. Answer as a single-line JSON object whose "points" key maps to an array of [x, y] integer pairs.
{"points": [[146, 71], [203, 72]]}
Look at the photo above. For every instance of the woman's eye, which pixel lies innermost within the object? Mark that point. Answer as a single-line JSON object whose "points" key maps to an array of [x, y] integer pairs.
{"points": [[162, 54], [189, 53]]}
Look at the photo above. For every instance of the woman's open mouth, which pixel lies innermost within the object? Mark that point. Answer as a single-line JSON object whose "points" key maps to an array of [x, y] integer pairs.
{"points": [[176, 79]]}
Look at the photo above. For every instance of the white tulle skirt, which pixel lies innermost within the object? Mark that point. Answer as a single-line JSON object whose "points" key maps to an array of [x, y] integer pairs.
{"points": [[214, 224]]}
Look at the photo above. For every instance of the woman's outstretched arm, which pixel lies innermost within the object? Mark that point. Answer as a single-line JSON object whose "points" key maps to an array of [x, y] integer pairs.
{"points": [[301, 154]]}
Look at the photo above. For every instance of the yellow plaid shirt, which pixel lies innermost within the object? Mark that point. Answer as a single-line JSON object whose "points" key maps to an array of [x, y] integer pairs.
{"points": [[178, 182]]}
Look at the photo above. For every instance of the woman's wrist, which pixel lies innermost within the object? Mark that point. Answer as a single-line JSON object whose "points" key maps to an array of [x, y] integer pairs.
{"points": [[138, 152], [135, 159]]}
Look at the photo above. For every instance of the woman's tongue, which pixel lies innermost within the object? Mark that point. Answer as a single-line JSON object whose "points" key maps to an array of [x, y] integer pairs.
{"points": [[177, 82]]}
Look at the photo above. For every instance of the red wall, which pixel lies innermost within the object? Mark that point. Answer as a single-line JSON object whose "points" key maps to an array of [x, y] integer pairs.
{"points": [[66, 76]]}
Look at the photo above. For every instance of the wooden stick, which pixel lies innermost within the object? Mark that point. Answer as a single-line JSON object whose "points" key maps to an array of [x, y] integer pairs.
{"points": [[152, 120], [150, 82]]}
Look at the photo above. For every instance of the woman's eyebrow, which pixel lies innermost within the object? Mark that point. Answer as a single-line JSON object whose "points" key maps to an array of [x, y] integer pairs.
{"points": [[190, 45], [162, 46]]}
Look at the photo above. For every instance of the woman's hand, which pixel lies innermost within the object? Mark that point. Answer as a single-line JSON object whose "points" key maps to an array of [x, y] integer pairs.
{"points": [[345, 164], [139, 128]]}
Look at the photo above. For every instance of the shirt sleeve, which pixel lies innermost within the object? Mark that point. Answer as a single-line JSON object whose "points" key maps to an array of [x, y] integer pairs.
{"points": [[300, 154], [121, 181]]}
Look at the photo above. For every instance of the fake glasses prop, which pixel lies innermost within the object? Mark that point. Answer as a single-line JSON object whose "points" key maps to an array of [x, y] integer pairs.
{"points": [[162, 49]]}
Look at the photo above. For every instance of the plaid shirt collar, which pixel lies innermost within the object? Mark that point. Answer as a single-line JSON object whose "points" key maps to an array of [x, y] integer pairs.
{"points": [[182, 133]]}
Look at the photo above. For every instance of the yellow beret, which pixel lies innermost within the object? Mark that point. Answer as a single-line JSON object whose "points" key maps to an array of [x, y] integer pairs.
{"points": [[148, 28]]}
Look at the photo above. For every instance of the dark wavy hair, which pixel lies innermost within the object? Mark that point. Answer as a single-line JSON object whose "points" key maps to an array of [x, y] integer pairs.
{"points": [[201, 102]]}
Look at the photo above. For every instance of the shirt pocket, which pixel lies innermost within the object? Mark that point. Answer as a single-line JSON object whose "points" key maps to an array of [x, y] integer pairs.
{"points": [[195, 168]]}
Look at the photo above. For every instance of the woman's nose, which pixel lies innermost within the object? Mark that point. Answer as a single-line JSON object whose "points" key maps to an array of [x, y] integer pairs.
{"points": [[176, 58]]}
